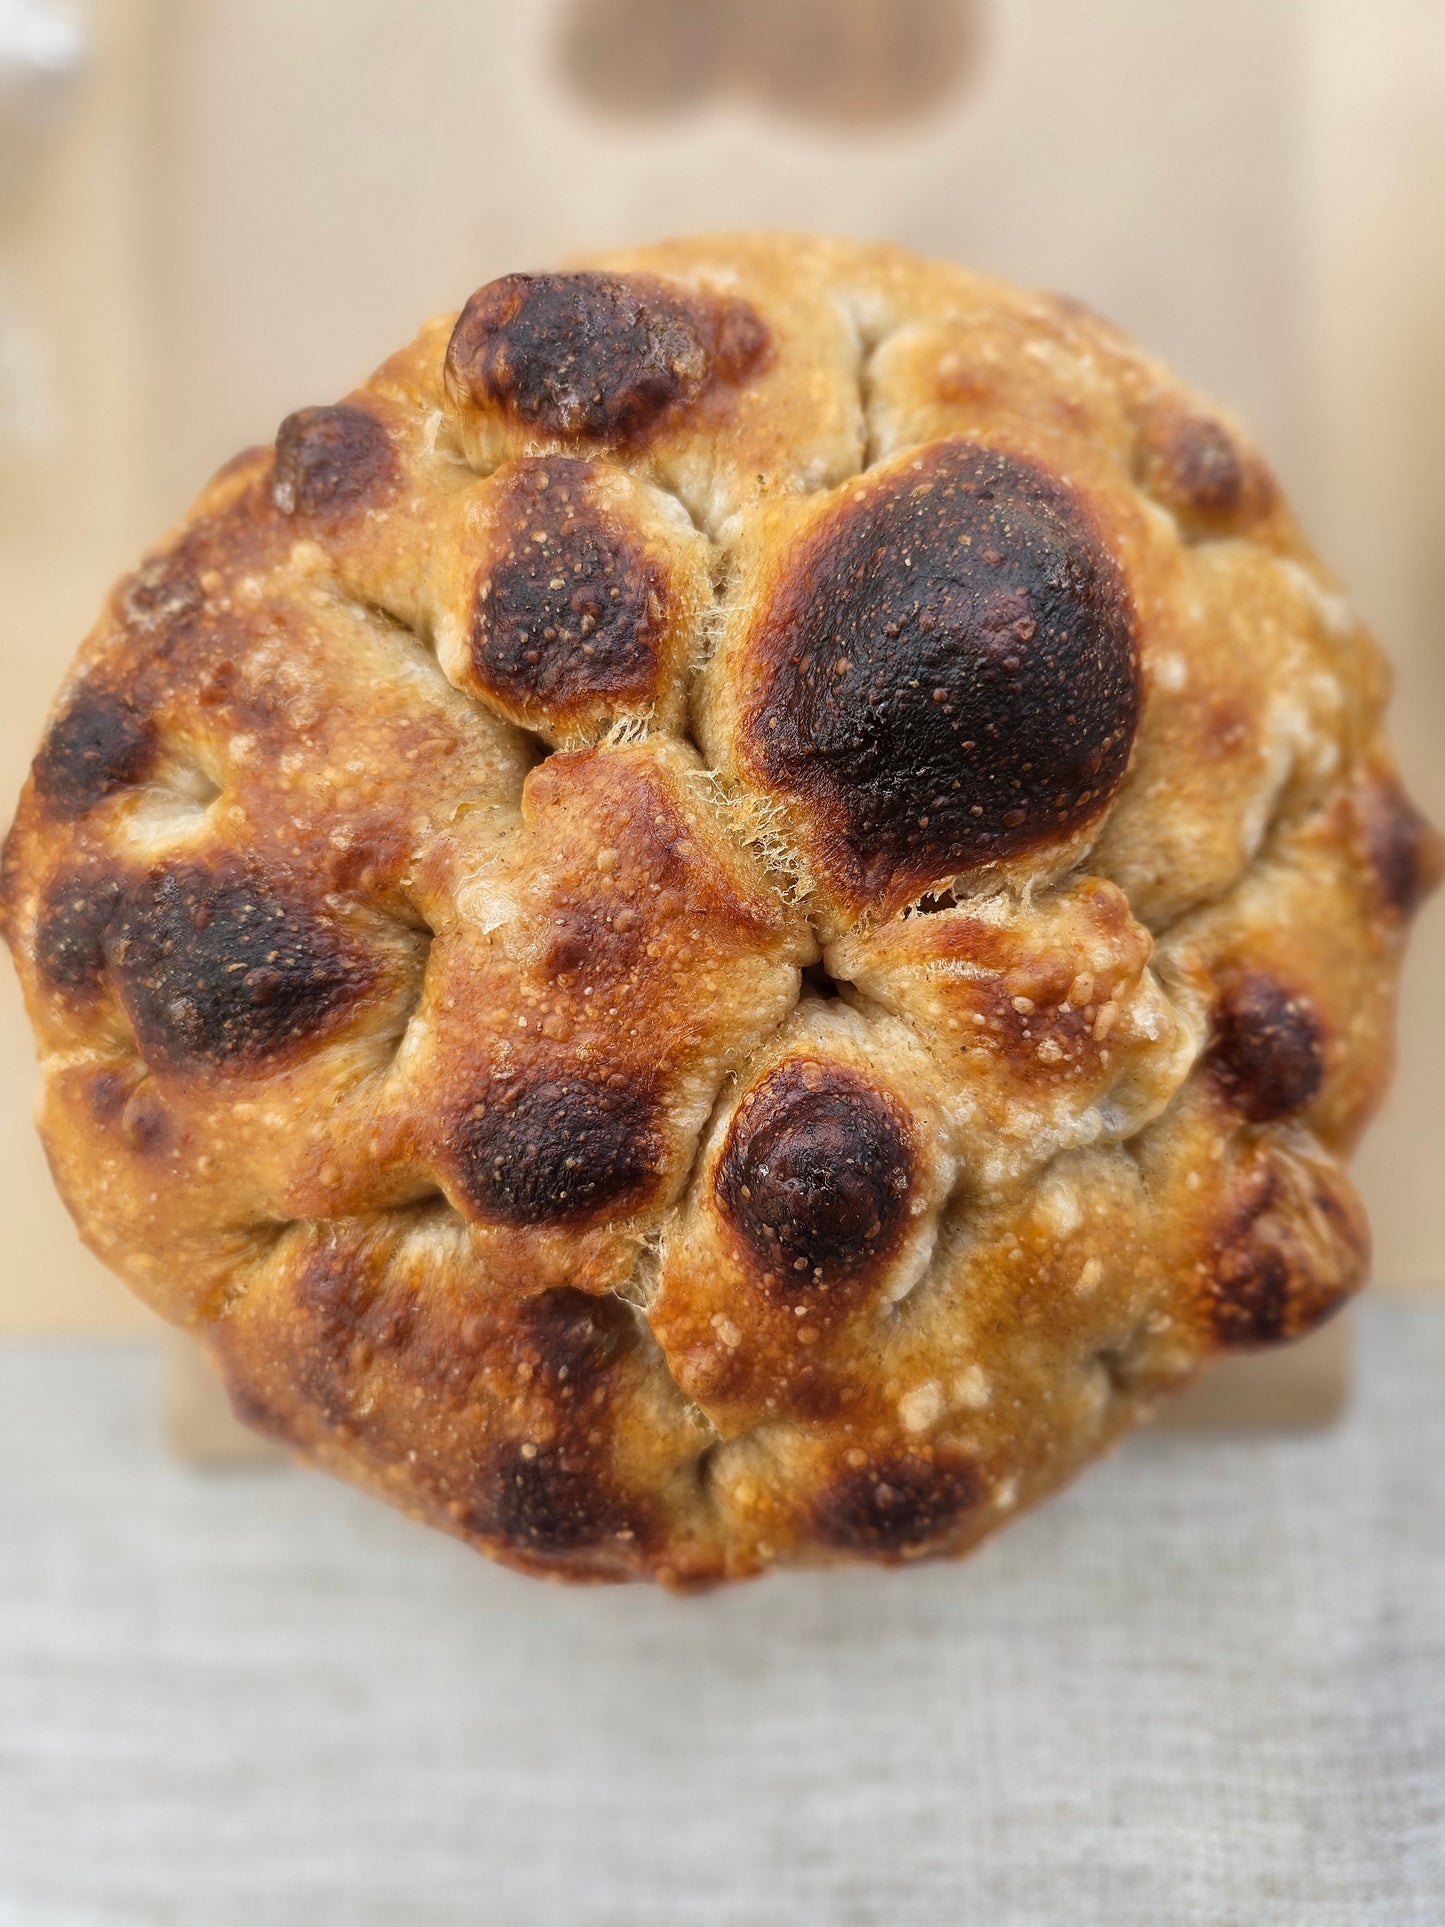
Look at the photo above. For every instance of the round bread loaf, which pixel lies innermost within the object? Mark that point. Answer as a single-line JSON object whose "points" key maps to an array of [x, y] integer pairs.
{"points": [[726, 918]]}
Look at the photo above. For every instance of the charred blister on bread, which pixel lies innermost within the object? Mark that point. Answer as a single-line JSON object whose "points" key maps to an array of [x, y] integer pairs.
{"points": [[545, 1500], [815, 1178], [75, 915], [596, 359], [946, 671], [331, 462], [1298, 963], [727, 917], [544, 1492], [1267, 1052], [98, 745], [811, 1195], [569, 609], [1291, 1249], [548, 1148], [219, 969], [904, 1507], [584, 600], [1404, 852], [1202, 471]]}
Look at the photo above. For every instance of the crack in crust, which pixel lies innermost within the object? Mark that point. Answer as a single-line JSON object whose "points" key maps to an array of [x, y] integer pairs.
{"points": [[803, 717]]}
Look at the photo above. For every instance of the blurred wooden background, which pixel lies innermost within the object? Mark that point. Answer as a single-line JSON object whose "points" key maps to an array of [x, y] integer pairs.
{"points": [[254, 200]]}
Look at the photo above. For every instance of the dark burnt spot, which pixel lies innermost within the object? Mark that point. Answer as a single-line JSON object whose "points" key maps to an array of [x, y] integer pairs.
{"points": [[815, 1174], [596, 357], [543, 1499], [907, 1505], [1285, 1262], [1268, 1051], [99, 746], [1405, 851], [552, 1494], [1200, 471], [951, 669], [555, 1149], [569, 608], [224, 971], [330, 460], [70, 931]]}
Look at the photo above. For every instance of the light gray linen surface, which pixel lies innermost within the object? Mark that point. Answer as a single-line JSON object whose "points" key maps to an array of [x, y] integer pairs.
{"points": [[1206, 1686]]}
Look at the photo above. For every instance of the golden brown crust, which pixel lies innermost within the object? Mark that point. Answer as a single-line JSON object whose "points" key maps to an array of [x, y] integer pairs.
{"points": [[725, 918]]}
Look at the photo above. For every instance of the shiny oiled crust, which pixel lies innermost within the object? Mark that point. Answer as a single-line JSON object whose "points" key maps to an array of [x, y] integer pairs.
{"points": [[727, 917]]}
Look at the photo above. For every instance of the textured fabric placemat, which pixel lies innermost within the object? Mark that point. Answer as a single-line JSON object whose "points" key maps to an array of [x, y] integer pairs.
{"points": [[1207, 1686]]}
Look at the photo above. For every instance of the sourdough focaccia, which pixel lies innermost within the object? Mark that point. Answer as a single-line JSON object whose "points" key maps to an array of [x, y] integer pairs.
{"points": [[727, 917]]}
